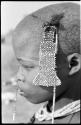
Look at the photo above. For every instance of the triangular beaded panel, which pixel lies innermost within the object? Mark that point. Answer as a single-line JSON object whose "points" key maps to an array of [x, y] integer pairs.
{"points": [[47, 59]]}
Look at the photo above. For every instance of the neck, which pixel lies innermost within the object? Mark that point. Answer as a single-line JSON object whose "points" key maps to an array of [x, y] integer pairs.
{"points": [[69, 96], [73, 91], [59, 104]]}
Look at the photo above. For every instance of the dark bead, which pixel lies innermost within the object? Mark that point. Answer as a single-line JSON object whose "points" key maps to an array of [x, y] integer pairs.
{"points": [[32, 119]]}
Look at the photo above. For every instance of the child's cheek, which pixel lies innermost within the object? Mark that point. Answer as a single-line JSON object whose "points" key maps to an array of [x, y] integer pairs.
{"points": [[31, 74]]}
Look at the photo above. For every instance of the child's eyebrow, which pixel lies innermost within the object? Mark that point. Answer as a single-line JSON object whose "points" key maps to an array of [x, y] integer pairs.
{"points": [[29, 62]]}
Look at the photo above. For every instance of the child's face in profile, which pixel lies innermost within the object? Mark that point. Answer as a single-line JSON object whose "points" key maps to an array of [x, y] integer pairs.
{"points": [[28, 58], [26, 46]]}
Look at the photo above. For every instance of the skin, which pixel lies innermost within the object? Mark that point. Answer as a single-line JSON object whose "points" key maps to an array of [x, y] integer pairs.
{"points": [[26, 41]]}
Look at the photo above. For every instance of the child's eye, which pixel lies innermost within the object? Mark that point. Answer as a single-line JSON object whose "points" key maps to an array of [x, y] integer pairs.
{"points": [[28, 67]]}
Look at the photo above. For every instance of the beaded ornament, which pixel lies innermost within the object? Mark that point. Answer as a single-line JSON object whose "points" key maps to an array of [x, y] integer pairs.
{"points": [[47, 75]]}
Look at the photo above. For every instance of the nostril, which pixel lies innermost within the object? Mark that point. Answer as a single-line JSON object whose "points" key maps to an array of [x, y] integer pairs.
{"points": [[20, 78], [20, 75]]}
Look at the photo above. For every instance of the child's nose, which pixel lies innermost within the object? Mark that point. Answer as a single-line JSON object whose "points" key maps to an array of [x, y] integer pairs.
{"points": [[20, 75]]}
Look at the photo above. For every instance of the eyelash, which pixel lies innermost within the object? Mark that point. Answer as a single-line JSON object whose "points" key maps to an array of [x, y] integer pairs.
{"points": [[29, 67]]}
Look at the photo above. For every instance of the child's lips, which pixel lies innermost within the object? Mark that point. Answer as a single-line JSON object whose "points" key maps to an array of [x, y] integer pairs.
{"points": [[21, 92]]}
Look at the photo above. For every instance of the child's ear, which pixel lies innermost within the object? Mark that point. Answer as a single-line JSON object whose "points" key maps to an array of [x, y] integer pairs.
{"points": [[74, 61]]}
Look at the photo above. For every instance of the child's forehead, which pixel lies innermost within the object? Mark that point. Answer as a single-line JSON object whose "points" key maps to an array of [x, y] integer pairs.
{"points": [[27, 44]]}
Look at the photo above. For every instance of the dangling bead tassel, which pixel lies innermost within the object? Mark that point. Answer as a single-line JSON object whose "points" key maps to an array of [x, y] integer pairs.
{"points": [[54, 94], [14, 112]]}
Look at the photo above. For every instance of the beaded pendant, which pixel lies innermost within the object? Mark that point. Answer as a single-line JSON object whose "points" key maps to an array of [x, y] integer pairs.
{"points": [[47, 75], [48, 48]]}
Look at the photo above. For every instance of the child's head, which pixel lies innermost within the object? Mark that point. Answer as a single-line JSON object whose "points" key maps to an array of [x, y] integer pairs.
{"points": [[26, 43]]}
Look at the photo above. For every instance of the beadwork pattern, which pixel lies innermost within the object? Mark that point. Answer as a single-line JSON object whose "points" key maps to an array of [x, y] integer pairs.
{"points": [[48, 48]]}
